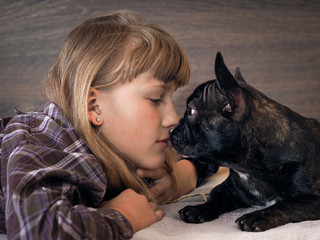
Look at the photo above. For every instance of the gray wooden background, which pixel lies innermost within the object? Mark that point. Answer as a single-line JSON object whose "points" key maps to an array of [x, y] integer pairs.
{"points": [[276, 44]]}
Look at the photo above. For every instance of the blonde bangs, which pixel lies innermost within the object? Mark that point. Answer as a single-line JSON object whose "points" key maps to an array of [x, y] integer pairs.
{"points": [[155, 50]]}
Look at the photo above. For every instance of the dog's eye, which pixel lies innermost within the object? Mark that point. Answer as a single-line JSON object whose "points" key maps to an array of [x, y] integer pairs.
{"points": [[191, 111]]}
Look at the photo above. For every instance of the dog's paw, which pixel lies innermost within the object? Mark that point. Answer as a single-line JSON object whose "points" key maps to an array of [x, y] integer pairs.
{"points": [[193, 214], [255, 222]]}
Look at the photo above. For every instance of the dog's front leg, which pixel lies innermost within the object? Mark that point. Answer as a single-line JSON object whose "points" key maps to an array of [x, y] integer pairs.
{"points": [[219, 202], [295, 209]]}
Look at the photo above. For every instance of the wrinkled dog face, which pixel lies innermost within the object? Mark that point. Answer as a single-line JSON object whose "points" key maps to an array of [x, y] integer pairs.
{"points": [[211, 110], [188, 136], [200, 131]]}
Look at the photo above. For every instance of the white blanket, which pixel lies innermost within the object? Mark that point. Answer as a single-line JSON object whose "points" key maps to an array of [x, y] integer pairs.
{"points": [[223, 228]]}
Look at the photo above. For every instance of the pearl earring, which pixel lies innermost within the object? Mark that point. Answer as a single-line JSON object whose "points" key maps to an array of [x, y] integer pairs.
{"points": [[98, 119]]}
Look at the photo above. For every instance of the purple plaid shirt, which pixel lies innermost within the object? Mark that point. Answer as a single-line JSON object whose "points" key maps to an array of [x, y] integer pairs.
{"points": [[51, 184]]}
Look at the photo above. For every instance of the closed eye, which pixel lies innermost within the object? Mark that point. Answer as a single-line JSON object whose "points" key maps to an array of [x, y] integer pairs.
{"points": [[155, 101]]}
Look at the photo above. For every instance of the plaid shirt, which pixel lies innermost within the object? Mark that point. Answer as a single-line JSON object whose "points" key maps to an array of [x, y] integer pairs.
{"points": [[51, 184]]}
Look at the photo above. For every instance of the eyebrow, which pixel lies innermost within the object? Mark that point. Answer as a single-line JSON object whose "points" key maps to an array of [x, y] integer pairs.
{"points": [[158, 86], [163, 86]]}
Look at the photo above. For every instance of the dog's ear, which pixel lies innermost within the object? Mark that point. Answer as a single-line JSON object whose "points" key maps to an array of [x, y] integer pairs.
{"points": [[231, 89], [238, 76]]}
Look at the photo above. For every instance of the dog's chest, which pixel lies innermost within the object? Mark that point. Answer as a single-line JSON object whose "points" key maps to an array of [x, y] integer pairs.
{"points": [[256, 192]]}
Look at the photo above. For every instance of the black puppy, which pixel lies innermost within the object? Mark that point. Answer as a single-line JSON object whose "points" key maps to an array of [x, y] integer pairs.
{"points": [[273, 153]]}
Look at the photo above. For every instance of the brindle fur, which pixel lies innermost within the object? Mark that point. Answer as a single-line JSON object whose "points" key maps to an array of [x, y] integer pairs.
{"points": [[273, 153]]}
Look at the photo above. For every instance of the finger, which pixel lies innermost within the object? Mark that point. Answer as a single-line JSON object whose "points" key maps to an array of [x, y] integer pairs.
{"points": [[153, 206], [159, 214], [157, 190], [159, 194]]}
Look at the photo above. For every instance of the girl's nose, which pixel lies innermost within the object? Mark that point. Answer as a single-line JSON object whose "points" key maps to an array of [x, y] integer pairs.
{"points": [[171, 118]]}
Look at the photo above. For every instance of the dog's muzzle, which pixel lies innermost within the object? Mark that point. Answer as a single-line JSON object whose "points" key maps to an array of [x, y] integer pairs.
{"points": [[181, 137]]}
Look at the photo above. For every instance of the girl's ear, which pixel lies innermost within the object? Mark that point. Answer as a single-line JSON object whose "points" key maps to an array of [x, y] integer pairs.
{"points": [[94, 113]]}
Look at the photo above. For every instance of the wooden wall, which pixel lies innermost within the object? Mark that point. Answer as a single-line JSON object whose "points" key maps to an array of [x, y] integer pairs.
{"points": [[276, 44]]}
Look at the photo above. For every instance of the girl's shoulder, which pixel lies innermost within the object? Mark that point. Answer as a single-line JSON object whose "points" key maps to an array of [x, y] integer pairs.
{"points": [[48, 128], [23, 120], [45, 138], [35, 120]]}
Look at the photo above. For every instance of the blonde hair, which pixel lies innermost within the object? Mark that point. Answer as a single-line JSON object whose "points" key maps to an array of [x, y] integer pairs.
{"points": [[102, 52]]}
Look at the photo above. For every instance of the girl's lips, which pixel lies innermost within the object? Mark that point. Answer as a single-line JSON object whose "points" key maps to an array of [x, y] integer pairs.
{"points": [[164, 142]]}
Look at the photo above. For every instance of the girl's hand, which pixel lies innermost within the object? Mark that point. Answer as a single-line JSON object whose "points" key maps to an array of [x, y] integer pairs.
{"points": [[136, 208], [186, 177], [162, 182]]}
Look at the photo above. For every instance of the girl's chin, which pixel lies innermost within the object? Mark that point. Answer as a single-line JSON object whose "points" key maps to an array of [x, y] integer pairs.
{"points": [[153, 165]]}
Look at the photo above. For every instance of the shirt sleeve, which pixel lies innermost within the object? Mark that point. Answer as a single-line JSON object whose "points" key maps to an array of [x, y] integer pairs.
{"points": [[53, 194], [3, 123]]}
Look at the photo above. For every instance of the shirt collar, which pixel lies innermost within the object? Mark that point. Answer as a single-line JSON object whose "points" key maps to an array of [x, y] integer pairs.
{"points": [[55, 112]]}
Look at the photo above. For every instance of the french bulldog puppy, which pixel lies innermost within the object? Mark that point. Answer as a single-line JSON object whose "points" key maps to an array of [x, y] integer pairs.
{"points": [[273, 153]]}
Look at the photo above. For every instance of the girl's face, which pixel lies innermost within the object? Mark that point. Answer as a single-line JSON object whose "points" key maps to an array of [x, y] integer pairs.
{"points": [[137, 119]]}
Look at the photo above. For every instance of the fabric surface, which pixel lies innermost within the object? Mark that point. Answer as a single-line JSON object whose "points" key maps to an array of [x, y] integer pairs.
{"points": [[52, 185], [223, 228]]}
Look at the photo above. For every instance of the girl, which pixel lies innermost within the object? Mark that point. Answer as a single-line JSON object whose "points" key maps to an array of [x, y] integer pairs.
{"points": [[96, 161]]}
